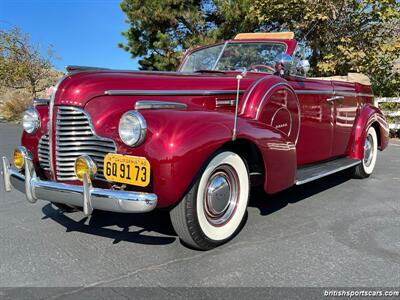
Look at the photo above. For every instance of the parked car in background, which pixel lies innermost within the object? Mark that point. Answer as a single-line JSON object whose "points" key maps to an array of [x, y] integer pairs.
{"points": [[196, 140]]}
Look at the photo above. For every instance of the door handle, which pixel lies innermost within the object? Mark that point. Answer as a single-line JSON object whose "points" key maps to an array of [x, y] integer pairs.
{"points": [[334, 98]]}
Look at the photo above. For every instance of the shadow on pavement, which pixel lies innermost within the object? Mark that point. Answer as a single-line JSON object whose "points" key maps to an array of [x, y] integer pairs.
{"points": [[157, 221], [268, 204]]}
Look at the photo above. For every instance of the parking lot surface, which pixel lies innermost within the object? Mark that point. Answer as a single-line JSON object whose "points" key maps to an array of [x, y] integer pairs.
{"points": [[336, 231]]}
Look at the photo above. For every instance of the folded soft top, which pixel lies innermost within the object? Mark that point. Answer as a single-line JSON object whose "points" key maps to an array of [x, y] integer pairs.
{"points": [[351, 77]]}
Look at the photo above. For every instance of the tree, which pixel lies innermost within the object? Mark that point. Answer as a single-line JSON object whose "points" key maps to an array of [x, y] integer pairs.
{"points": [[22, 66], [342, 35], [160, 30]]}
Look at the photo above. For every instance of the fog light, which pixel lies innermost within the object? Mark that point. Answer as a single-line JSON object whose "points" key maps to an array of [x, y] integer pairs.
{"points": [[19, 154], [84, 164], [18, 159]]}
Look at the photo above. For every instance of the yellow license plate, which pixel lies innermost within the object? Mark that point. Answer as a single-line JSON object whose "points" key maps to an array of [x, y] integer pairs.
{"points": [[127, 169]]}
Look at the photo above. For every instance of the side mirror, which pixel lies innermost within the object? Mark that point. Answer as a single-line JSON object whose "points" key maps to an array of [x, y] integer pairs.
{"points": [[303, 66], [285, 60]]}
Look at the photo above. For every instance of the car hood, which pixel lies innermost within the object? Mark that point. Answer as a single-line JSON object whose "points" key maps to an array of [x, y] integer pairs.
{"points": [[79, 88]]}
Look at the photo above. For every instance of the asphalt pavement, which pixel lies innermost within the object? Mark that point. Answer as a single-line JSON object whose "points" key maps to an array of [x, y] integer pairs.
{"points": [[336, 231]]}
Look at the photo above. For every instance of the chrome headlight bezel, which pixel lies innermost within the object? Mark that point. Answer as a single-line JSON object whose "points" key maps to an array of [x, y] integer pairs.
{"points": [[31, 120], [132, 128]]}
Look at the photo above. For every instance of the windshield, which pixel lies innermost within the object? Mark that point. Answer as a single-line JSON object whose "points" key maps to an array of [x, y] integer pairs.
{"points": [[234, 57]]}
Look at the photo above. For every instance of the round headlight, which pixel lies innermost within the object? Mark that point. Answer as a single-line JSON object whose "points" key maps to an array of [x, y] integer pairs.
{"points": [[132, 128], [31, 120]]}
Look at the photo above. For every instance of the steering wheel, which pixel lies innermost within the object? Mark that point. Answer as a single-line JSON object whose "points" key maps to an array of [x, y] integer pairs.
{"points": [[255, 67]]}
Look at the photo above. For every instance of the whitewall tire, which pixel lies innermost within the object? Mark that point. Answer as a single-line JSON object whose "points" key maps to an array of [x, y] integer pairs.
{"points": [[367, 166], [214, 209]]}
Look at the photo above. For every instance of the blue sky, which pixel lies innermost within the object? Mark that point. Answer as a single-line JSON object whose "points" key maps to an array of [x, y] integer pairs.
{"points": [[83, 32]]}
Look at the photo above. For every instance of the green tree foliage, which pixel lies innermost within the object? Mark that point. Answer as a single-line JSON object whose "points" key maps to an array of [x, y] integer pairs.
{"points": [[344, 35], [22, 66], [160, 30]]}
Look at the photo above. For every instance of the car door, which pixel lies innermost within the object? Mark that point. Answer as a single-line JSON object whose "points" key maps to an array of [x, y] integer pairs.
{"points": [[345, 104], [316, 122]]}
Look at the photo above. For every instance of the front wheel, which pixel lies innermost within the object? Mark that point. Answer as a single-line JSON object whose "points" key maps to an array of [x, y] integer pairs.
{"points": [[367, 166], [213, 210]]}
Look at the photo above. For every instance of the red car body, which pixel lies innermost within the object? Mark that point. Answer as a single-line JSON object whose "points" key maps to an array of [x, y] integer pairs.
{"points": [[179, 142], [284, 123]]}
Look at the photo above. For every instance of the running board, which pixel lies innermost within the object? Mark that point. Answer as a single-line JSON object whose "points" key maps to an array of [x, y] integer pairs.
{"points": [[314, 172]]}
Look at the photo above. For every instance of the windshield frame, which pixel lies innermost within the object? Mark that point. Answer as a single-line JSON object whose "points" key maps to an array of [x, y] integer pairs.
{"points": [[190, 52]]}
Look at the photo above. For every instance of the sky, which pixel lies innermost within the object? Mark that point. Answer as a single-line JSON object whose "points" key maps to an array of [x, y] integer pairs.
{"points": [[82, 32]]}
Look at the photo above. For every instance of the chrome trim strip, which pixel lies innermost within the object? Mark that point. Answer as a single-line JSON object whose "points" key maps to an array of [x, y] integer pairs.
{"points": [[335, 98], [154, 104], [102, 199], [251, 91], [333, 92], [365, 95], [170, 92], [139, 72], [225, 102], [72, 68], [40, 102], [350, 94], [50, 125], [299, 182], [314, 92]]}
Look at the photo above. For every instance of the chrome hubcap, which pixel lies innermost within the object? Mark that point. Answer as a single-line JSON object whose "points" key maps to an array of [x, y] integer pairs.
{"points": [[221, 195], [368, 150], [218, 194]]}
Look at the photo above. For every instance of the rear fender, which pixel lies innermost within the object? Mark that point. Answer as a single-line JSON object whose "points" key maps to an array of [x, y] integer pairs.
{"points": [[369, 116], [272, 101]]}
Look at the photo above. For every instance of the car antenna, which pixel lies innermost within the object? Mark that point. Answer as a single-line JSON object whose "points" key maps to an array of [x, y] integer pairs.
{"points": [[238, 77]]}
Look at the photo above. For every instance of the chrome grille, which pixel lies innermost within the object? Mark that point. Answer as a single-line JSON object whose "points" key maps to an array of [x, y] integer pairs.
{"points": [[75, 137], [43, 152]]}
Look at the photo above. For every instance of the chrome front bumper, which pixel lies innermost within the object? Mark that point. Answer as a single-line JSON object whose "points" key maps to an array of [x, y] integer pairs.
{"points": [[83, 195]]}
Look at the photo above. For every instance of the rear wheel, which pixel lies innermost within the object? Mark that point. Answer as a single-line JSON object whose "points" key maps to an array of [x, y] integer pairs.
{"points": [[214, 209], [367, 166]]}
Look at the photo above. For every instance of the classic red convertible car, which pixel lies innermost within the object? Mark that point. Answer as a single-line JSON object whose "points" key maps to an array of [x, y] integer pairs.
{"points": [[194, 141]]}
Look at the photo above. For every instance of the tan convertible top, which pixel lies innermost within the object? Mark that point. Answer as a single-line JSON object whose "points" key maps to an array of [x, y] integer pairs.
{"points": [[351, 77], [265, 36]]}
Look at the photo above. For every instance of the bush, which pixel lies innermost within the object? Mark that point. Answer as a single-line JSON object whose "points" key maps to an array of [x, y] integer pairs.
{"points": [[13, 103]]}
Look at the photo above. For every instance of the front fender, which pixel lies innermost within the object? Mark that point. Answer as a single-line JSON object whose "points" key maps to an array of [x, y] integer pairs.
{"points": [[179, 143], [176, 145], [369, 115]]}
